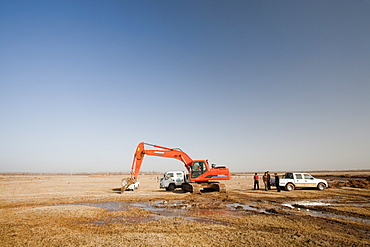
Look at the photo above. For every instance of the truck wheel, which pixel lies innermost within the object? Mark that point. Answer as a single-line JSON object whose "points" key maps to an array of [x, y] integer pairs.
{"points": [[321, 186], [171, 187], [289, 187]]}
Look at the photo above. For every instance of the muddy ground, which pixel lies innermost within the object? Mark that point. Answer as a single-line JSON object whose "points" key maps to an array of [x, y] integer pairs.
{"points": [[88, 210]]}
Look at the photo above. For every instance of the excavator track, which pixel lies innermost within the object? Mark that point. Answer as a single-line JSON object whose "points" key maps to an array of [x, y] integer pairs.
{"points": [[219, 187], [191, 187], [195, 188]]}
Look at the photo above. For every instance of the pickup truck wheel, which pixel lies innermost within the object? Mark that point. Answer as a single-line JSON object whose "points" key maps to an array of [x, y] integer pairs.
{"points": [[289, 187], [171, 187], [321, 186]]}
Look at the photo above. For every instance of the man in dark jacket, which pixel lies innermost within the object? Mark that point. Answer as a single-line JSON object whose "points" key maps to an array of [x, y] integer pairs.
{"points": [[268, 180], [277, 180]]}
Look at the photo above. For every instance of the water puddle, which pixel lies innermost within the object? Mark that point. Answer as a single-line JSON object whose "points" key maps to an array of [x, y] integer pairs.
{"points": [[328, 215], [311, 203], [301, 207], [110, 206], [297, 204], [184, 211], [160, 210], [238, 206]]}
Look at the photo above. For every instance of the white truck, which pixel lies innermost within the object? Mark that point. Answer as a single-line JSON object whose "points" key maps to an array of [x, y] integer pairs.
{"points": [[292, 180], [172, 180]]}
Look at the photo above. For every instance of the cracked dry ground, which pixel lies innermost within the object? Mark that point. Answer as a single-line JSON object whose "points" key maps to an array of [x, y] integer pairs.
{"points": [[83, 210]]}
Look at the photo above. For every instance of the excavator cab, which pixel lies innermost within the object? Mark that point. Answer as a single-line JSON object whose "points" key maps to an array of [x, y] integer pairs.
{"points": [[198, 168]]}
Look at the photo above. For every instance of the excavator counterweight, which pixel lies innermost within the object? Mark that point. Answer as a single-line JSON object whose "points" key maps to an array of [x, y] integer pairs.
{"points": [[200, 174]]}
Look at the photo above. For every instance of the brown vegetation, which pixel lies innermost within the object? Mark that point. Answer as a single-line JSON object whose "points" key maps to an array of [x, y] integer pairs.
{"points": [[348, 180]]}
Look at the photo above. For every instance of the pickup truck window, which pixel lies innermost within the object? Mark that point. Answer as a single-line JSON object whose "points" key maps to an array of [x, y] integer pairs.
{"points": [[307, 176], [298, 176], [289, 175]]}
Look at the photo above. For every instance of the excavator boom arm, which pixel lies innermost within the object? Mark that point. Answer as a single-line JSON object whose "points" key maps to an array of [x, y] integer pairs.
{"points": [[140, 152]]}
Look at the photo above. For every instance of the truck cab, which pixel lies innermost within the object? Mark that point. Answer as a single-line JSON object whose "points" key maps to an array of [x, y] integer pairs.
{"points": [[292, 180], [172, 180]]}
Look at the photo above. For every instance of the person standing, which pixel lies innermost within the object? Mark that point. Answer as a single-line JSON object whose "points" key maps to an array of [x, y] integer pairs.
{"points": [[264, 178], [277, 180], [268, 181], [256, 183]]}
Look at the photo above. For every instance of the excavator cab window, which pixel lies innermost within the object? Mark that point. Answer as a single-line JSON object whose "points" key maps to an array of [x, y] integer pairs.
{"points": [[198, 169]]}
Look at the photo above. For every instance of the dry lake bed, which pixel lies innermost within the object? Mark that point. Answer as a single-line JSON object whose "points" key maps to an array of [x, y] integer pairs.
{"points": [[89, 210]]}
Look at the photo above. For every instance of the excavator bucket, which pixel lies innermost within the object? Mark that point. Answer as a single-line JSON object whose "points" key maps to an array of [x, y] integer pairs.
{"points": [[126, 182]]}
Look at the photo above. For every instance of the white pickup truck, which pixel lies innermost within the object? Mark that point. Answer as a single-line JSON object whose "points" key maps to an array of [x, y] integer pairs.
{"points": [[294, 180]]}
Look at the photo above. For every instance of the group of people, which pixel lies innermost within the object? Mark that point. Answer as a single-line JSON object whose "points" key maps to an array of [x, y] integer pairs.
{"points": [[266, 178]]}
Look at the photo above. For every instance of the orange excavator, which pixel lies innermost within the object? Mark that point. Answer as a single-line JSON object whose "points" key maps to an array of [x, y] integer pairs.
{"points": [[201, 175]]}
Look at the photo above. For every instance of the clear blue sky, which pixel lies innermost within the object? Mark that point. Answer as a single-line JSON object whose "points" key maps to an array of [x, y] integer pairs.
{"points": [[253, 85]]}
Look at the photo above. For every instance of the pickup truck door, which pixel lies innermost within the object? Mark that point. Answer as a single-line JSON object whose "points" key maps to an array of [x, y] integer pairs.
{"points": [[299, 180], [309, 180]]}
